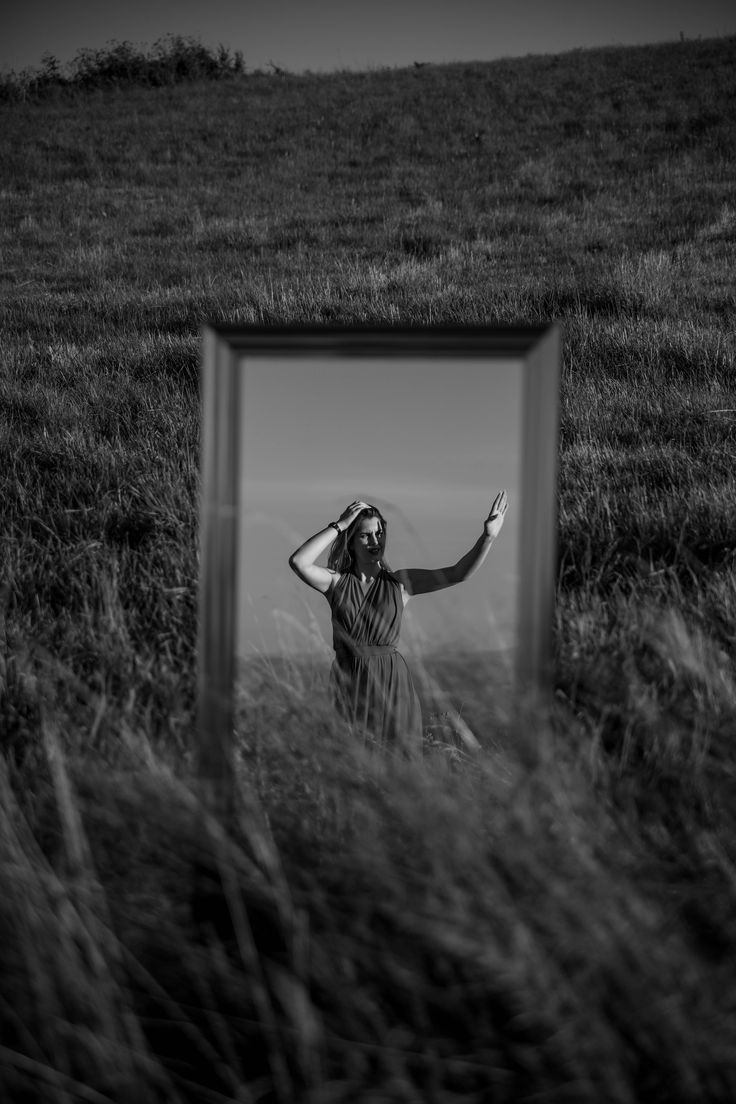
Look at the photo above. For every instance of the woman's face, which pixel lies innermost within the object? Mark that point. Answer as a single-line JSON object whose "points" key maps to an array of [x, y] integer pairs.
{"points": [[368, 541]]}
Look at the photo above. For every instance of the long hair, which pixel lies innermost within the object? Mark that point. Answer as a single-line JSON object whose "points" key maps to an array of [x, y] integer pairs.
{"points": [[341, 557]]}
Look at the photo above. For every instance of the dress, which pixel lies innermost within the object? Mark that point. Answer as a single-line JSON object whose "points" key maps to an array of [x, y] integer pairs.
{"points": [[371, 683]]}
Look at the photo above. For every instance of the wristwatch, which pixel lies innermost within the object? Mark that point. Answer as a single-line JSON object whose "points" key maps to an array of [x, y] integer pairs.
{"points": [[335, 526]]}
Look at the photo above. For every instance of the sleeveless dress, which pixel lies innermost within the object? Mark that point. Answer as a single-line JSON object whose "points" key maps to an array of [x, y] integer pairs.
{"points": [[371, 684]]}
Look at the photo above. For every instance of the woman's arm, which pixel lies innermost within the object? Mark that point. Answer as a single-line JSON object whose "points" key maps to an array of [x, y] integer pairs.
{"points": [[422, 581], [302, 562]]}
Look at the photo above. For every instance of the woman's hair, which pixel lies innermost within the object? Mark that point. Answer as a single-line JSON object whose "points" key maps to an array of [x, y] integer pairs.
{"points": [[341, 557]]}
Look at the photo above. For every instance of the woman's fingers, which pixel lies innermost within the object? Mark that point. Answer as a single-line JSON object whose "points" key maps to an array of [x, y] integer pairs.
{"points": [[354, 509], [500, 505]]}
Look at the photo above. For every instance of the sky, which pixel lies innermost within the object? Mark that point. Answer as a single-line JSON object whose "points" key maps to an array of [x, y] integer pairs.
{"points": [[429, 441], [324, 35]]}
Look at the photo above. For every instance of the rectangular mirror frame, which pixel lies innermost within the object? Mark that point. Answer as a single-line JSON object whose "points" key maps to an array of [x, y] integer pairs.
{"points": [[223, 349]]}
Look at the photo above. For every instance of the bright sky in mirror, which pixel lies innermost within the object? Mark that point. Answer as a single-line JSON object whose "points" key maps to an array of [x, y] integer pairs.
{"points": [[429, 441]]}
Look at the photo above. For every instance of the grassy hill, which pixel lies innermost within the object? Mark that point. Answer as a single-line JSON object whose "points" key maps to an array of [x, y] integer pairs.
{"points": [[553, 918]]}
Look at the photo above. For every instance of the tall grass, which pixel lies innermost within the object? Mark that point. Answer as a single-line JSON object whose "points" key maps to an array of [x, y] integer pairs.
{"points": [[551, 917]]}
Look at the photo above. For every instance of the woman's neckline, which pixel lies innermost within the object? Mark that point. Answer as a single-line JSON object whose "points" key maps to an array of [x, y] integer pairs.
{"points": [[369, 582]]}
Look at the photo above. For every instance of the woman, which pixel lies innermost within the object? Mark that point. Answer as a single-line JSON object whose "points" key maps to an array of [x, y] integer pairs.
{"points": [[371, 683]]}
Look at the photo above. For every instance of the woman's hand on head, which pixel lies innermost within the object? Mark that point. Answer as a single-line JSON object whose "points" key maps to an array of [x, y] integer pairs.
{"points": [[350, 513], [494, 521]]}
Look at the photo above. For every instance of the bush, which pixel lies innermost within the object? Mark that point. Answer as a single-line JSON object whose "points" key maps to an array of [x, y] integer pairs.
{"points": [[171, 60]]}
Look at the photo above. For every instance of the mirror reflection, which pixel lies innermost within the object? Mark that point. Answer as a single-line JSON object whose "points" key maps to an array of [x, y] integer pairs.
{"points": [[433, 446]]}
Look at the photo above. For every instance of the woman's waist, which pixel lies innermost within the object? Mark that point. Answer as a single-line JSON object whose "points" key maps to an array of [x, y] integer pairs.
{"points": [[352, 649]]}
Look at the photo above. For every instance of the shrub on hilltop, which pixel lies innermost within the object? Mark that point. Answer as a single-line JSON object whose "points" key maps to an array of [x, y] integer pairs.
{"points": [[172, 59]]}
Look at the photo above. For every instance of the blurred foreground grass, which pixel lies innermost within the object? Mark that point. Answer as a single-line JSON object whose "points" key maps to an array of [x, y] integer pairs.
{"points": [[367, 929]]}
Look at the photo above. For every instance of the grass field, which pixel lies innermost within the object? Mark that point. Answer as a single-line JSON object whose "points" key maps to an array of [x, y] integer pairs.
{"points": [[552, 918]]}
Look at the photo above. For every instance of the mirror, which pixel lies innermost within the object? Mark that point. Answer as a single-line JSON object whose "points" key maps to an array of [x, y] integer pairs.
{"points": [[425, 424]]}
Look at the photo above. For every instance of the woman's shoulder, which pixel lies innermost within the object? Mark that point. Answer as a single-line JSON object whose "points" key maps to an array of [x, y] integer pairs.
{"points": [[337, 583], [396, 580], [392, 577]]}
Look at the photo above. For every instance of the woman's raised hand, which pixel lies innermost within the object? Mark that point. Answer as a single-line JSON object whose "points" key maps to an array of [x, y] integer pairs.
{"points": [[348, 516], [494, 521]]}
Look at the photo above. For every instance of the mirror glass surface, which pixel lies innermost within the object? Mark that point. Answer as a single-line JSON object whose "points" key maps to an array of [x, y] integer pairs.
{"points": [[429, 440]]}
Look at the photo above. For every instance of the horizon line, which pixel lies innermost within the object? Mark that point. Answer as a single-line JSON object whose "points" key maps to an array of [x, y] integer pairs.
{"points": [[261, 68]]}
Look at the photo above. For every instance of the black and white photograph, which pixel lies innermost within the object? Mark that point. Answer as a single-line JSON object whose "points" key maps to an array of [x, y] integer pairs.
{"points": [[367, 552]]}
